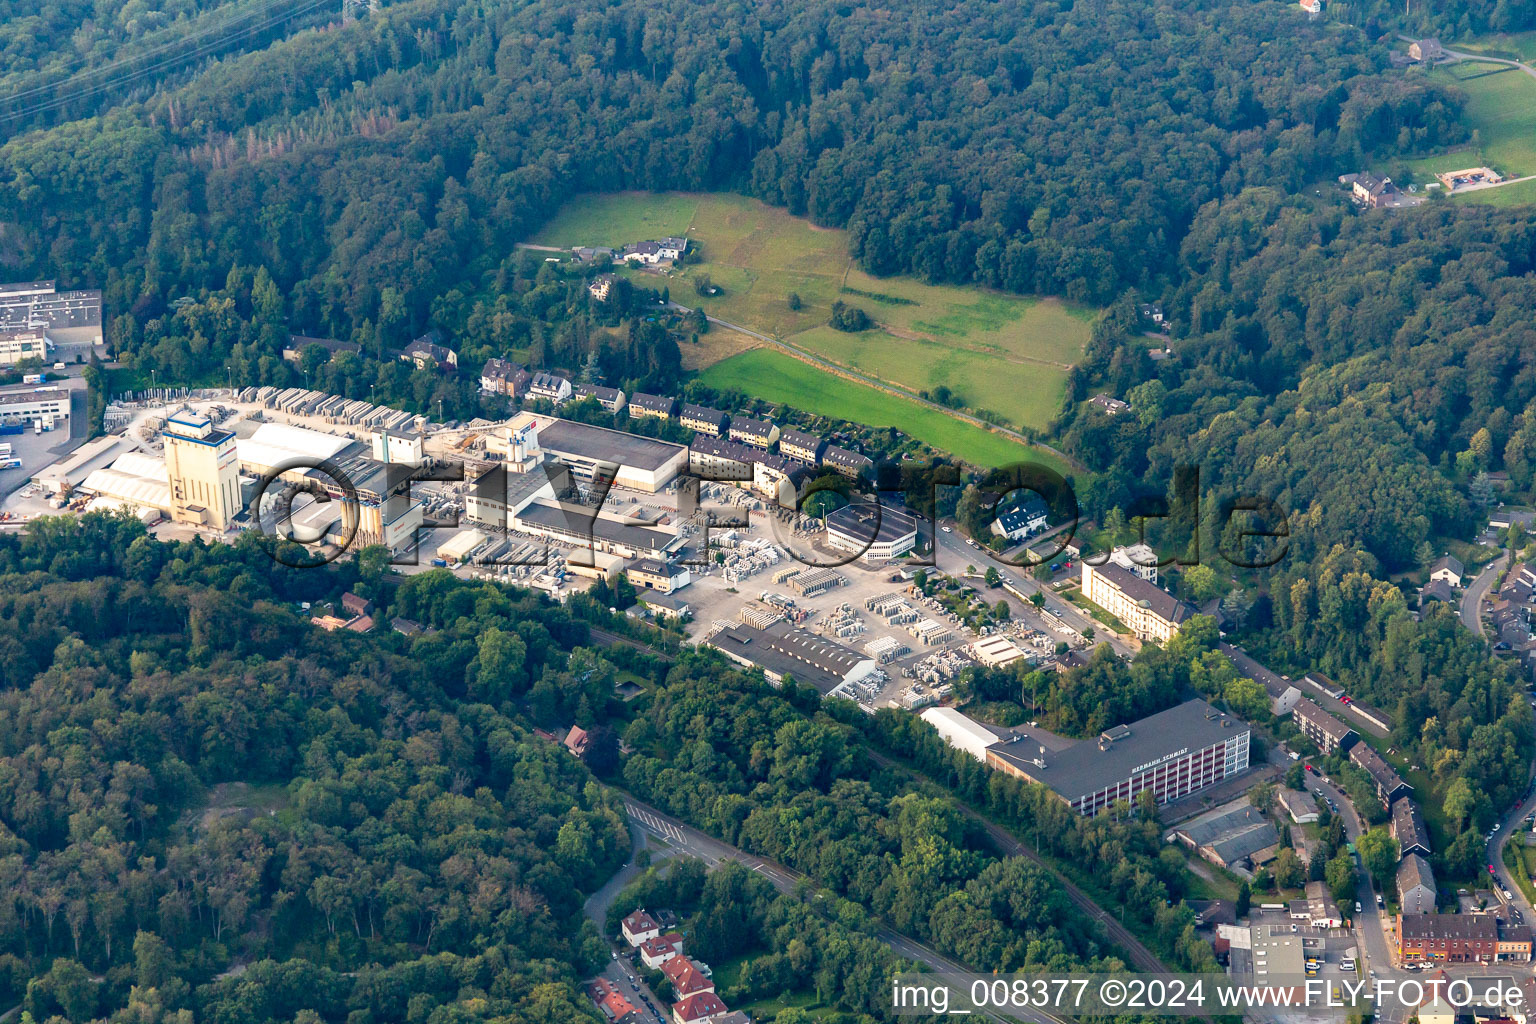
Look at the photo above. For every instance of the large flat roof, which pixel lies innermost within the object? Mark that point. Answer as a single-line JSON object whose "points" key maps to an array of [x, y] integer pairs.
{"points": [[578, 520], [859, 522], [584, 441], [786, 651], [1084, 768]]}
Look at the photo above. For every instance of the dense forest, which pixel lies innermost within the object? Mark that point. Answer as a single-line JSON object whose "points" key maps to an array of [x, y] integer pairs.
{"points": [[209, 806], [376, 169]]}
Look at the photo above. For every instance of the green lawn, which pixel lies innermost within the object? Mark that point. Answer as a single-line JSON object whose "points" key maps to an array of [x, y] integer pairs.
{"points": [[1501, 109], [775, 377], [1509, 45], [1025, 393], [1005, 353], [618, 218]]}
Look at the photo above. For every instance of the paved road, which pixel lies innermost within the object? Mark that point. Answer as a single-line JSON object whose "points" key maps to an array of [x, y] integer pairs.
{"points": [[620, 972], [1477, 590], [1492, 60], [953, 554], [1369, 926], [691, 842], [1142, 958]]}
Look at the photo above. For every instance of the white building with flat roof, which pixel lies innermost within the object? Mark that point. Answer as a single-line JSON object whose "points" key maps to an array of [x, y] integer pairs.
{"points": [[960, 732]]}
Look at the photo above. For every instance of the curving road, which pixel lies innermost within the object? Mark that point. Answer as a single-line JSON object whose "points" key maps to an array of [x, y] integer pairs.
{"points": [[1477, 590], [693, 843], [1142, 958]]}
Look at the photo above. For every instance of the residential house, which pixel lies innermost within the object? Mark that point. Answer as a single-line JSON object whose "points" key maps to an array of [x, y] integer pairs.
{"points": [[577, 741], [503, 377], [1323, 729], [655, 251], [429, 353], [638, 927], [686, 978], [601, 286], [1111, 406], [644, 406], [801, 446], [1448, 938], [757, 433], [1374, 190], [1427, 50], [1389, 785], [704, 420], [551, 387], [1436, 590], [1408, 828], [611, 399], [1449, 569], [657, 951], [297, 343], [1021, 520], [697, 1008], [848, 463], [1415, 885]]}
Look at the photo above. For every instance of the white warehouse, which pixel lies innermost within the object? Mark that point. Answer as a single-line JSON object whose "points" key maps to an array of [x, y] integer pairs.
{"points": [[960, 732]]}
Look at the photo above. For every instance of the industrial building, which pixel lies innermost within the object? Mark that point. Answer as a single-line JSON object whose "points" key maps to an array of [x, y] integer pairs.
{"points": [[72, 317], [1276, 953], [876, 533], [203, 470], [781, 650], [1234, 838], [398, 447], [1170, 754], [280, 449], [18, 346], [134, 480], [31, 404], [960, 732], [1146, 609], [496, 496], [644, 464], [567, 523], [654, 574], [1299, 804], [996, 651]]}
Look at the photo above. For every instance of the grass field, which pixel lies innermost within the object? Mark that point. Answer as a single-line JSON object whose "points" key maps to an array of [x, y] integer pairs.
{"points": [[1501, 108], [776, 377], [1004, 353], [1509, 45]]}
